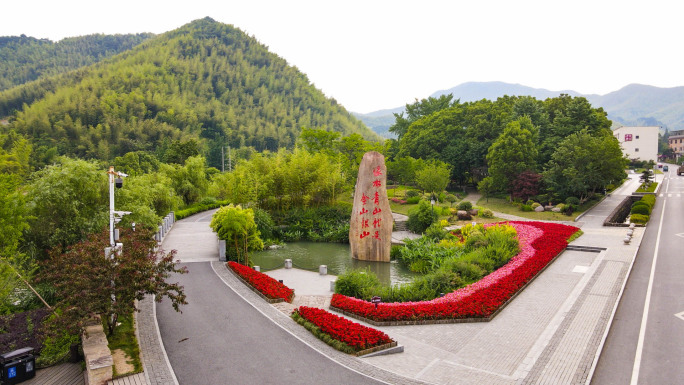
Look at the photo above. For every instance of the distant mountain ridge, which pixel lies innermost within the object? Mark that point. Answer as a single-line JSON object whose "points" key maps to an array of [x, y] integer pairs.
{"points": [[632, 105]]}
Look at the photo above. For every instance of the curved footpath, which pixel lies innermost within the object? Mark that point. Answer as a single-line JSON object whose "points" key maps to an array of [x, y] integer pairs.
{"points": [[551, 333]]}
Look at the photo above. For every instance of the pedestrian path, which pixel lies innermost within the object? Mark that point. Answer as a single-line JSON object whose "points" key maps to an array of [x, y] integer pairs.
{"points": [[551, 333]]}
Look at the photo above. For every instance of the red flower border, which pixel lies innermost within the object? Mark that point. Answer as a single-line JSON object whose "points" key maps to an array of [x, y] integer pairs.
{"points": [[355, 335], [540, 242], [262, 282]]}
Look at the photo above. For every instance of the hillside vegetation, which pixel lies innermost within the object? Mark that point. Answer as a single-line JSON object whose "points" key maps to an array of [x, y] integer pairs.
{"points": [[205, 81], [24, 59]]}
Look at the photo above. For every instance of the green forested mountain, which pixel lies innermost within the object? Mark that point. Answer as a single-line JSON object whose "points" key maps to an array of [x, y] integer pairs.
{"points": [[205, 81], [24, 59]]}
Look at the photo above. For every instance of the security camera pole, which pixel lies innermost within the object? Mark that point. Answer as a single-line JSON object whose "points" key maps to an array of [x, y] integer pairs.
{"points": [[110, 251], [119, 182]]}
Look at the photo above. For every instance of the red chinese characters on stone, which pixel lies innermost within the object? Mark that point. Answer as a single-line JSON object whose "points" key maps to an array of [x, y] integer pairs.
{"points": [[376, 210], [377, 235], [363, 211], [364, 223], [364, 234], [376, 198], [364, 198], [377, 171], [376, 222], [377, 183]]}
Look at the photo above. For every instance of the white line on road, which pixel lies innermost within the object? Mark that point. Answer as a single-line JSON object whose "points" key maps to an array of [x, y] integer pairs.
{"points": [[680, 315], [647, 304]]}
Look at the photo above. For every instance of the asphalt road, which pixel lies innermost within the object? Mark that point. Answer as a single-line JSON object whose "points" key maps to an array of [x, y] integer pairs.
{"points": [[649, 349], [222, 339]]}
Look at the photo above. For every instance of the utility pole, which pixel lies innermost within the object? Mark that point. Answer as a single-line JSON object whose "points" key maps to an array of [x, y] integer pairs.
{"points": [[223, 162], [230, 161]]}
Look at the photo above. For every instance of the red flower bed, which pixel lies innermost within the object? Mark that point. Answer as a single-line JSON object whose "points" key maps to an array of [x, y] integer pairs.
{"points": [[400, 201], [262, 282], [351, 333], [539, 242]]}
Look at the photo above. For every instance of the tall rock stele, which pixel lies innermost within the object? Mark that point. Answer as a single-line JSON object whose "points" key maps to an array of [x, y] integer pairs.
{"points": [[370, 231]]}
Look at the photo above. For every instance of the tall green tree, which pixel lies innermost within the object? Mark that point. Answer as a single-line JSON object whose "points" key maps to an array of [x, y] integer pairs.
{"points": [[584, 164], [66, 202], [512, 153], [419, 109], [433, 177]]}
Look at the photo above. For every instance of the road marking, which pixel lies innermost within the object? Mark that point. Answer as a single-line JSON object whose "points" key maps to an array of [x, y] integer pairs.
{"points": [[647, 305], [580, 269], [680, 315]]}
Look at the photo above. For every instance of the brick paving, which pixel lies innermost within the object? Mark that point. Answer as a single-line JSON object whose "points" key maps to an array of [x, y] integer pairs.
{"points": [[155, 363], [550, 334]]}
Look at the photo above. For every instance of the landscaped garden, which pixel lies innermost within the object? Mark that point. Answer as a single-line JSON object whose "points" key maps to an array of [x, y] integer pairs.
{"points": [[539, 243]]}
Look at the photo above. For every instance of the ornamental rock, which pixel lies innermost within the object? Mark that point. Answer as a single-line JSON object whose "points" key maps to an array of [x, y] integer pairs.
{"points": [[370, 230]]}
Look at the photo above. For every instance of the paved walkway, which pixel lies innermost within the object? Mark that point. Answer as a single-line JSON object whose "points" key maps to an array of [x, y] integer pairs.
{"points": [[550, 334]]}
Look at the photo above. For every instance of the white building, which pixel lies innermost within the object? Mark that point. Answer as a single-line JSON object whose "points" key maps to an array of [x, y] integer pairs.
{"points": [[639, 142]]}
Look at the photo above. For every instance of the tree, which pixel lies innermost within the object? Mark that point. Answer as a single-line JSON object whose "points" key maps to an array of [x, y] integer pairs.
{"points": [[486, 187], [236, 226], [82, 277], [433, 177], [419, 109], [512, 153], [67, 202], [526, 185], [583, 164]]}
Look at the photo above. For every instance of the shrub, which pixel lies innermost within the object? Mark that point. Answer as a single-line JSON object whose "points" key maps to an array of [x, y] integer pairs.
{"points": [[356, 283], [441, 197], [444, 211], [530, 202], [649, 199], [421, 217], [436, 232], [465, 205], [451, 198], [561, 207], [642, 209], [639, 218], [412, 193], [264, 223], [526, 208], [395, 250], [486, 213], [534, 205], [412, 200], [569, 209], [572, 201]]}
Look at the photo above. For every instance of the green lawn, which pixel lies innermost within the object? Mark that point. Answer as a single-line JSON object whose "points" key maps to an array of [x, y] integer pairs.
{"points": [[503, 206]]}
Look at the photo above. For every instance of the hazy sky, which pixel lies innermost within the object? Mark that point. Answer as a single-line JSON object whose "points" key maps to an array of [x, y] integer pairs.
{"points": [[377, 54]]}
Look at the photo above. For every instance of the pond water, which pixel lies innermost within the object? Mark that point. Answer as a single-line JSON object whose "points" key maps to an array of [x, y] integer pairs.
{"points": [[337, 256]]}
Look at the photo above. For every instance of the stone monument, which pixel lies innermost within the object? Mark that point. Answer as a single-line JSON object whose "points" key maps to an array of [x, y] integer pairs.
{"points": [[370, 230]]}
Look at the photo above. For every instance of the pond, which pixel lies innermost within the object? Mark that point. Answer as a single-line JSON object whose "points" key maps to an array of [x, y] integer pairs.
{"points": [[310, 255]]}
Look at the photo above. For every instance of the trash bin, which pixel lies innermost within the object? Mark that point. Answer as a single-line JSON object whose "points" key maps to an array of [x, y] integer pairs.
{"points": [[17, 366]]}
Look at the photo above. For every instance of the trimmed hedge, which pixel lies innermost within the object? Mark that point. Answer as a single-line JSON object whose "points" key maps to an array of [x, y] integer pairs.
{"points": [[639, 218], [198, 208], [640, 208]]}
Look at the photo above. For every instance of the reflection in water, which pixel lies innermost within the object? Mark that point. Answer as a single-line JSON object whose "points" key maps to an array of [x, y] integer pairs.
{"points": [[310, 255]]}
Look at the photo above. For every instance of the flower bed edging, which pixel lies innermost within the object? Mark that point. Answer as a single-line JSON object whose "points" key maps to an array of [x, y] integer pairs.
{"points": [[270, 300], [336, 331], [540, 245]]}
